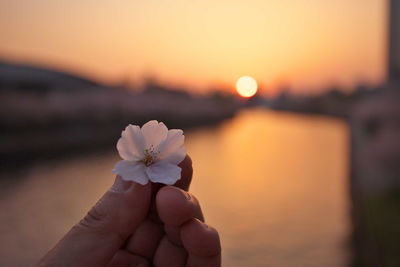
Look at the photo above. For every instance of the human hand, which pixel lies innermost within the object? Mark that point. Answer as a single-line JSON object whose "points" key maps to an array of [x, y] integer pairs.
{"points": [[138, 226]]}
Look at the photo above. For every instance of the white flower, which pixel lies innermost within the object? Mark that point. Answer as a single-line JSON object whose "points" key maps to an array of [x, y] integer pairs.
{"points": [[150, 153]]}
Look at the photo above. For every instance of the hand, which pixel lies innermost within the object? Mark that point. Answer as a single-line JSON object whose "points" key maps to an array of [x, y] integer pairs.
{"points": [[137, 226]]}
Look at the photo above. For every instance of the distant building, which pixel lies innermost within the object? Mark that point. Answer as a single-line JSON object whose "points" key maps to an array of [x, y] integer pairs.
{"points": [[394, 41]]}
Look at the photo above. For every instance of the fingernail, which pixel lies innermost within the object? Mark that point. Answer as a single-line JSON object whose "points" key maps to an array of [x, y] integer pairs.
{"points": [[120, 185]]}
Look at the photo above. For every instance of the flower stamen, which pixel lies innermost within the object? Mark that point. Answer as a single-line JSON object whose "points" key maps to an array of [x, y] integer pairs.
{"points": [[149, 156]]}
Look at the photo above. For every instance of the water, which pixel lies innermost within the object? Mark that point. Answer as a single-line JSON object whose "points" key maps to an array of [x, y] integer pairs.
{"points": [[274, 184]]}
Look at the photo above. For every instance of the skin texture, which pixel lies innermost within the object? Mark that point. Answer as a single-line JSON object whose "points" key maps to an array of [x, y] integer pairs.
{"points": [[138, 226]]}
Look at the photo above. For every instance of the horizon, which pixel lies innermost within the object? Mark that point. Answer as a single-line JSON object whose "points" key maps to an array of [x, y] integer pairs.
{"points": [[195, 46]]}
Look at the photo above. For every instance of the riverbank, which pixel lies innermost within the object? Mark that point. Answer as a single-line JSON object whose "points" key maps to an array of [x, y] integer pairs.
{"points": [[38, 126]]}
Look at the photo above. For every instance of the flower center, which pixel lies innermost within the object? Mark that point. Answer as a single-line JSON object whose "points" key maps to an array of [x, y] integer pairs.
{"points": [[149, 156]]}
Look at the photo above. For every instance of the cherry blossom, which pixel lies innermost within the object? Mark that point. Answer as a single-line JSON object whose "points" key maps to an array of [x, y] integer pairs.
{"points": [[151, 153]]}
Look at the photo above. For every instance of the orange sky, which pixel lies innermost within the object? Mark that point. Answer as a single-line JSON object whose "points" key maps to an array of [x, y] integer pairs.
{"points": [[307, 44]]}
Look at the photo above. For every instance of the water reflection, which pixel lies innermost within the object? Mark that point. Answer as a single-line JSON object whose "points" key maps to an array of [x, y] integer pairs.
{"points": [[274, 184]]}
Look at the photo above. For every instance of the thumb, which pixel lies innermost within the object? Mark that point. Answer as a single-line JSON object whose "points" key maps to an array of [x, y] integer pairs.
{"points": [[101, 233]]}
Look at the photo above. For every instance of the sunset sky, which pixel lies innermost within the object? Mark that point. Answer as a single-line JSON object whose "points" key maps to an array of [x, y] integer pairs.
{"points": [[304, 44]]}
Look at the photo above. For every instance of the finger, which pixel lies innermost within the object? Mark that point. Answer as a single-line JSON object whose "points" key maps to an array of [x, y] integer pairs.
{"points": [[175, 207], [125, 259], [186, 174], [202, 244], [96, 238], [145, 240], [169, 255], [183, 183]]}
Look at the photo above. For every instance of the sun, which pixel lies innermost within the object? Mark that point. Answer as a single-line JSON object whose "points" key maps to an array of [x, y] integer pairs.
{"points": [[246, 86]]}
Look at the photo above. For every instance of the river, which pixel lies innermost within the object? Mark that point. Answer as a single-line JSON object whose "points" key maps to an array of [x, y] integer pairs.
{"points": [[273, 184]]}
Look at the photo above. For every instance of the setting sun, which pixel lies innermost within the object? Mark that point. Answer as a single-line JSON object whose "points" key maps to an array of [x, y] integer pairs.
{"points": [[246, 86]]}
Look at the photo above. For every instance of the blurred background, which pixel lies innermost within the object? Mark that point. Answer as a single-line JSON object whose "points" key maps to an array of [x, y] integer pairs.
{"points": [[291, 111]]}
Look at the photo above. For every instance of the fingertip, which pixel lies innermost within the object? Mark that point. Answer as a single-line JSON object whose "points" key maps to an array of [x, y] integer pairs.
{"points": [[200, 239], [186, 174], [187, 162], [121, 186], [174, 205]]}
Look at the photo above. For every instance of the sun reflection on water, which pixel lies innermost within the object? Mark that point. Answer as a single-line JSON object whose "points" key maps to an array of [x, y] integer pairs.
{"points": [[274, 184]]}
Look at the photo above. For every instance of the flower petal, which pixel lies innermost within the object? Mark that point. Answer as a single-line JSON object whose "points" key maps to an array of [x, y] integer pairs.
{"points": [[131, 145], [177, 157], [154, 133], [172, 150], [132, 171], [164, 172]]}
